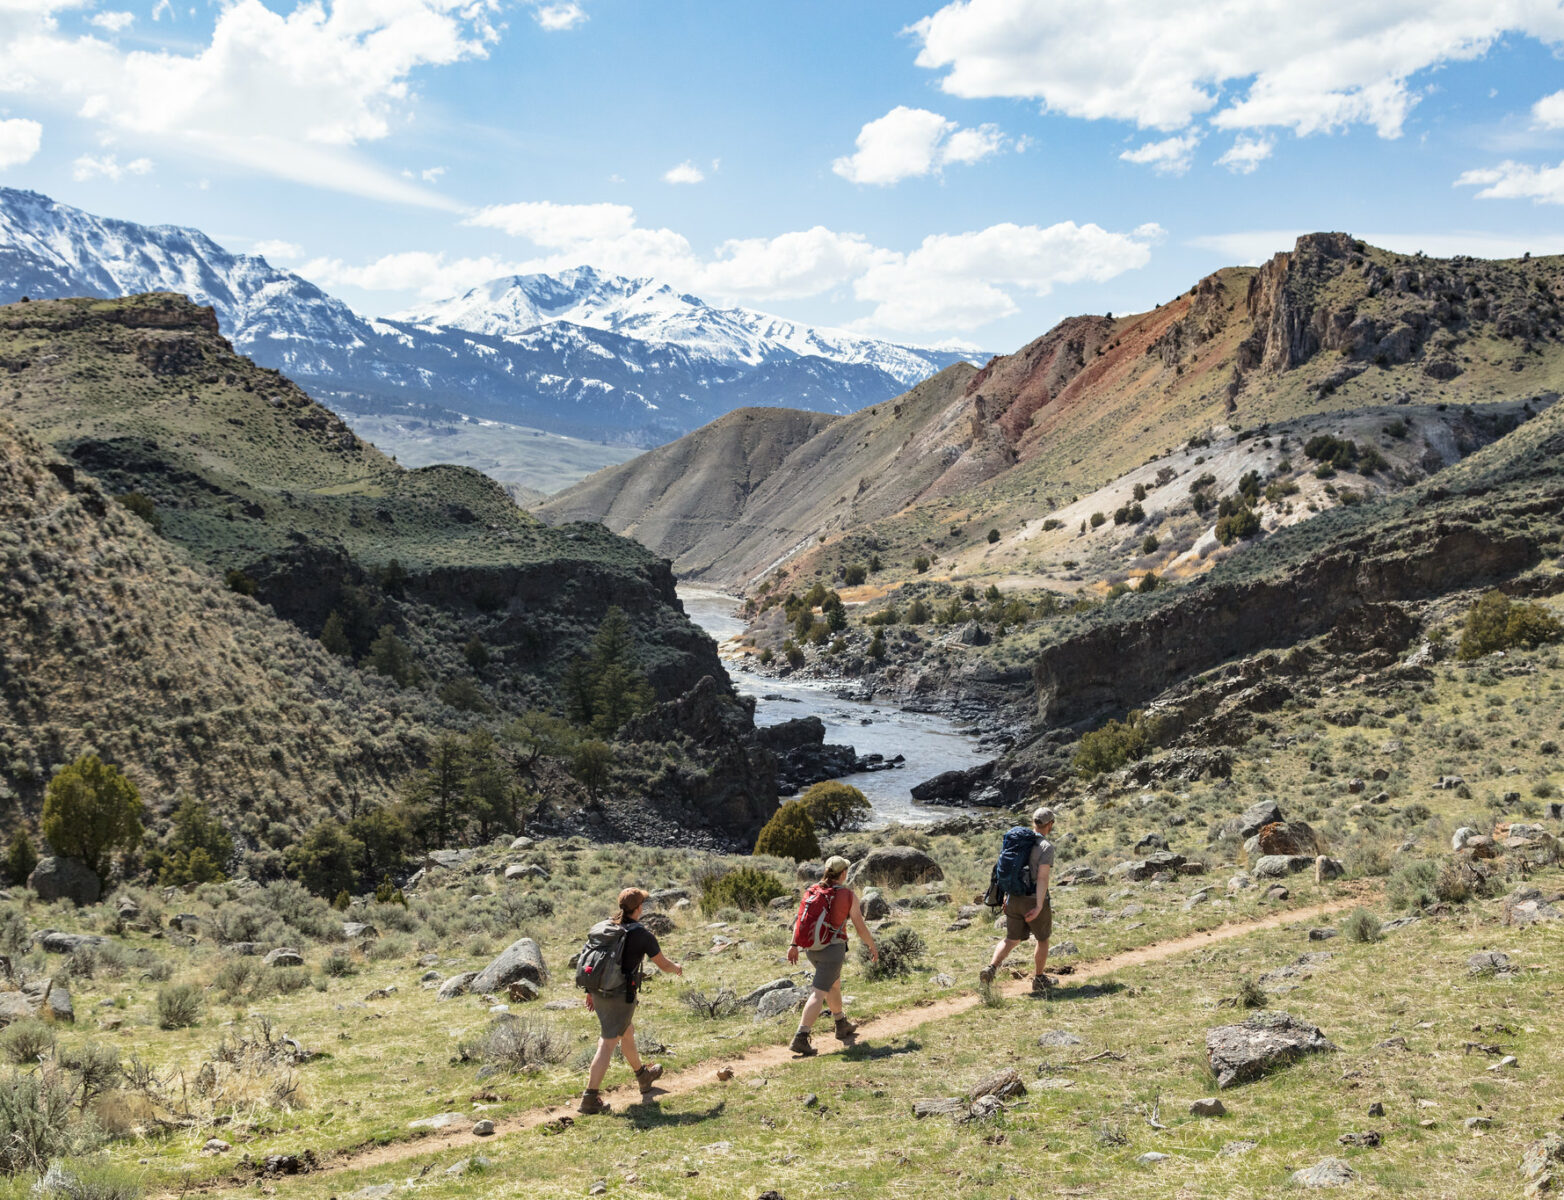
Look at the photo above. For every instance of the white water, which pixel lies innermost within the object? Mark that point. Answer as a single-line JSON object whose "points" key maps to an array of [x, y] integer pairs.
{"points": [[930, 743]]}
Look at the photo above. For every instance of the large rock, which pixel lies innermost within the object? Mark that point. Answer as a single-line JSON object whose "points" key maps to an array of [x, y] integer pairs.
{"points": [[781, 1000], [1542, 1162], [38, 998], [1278, 866], [1327, 1173], [660, 924], [358, 929], [894, 865], [526, 871], [1326, 869], [456, 985], [1145, 868], [1289, 838], [284, 956], [522, 959], [1237, 1053], [55, 942], [1003, 1083], [874, 905], [60, 878], [1258, 816], [751, 999]]}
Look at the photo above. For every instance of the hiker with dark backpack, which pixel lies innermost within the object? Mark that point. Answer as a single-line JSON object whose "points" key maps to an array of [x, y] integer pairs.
{"points": [[609, 970], [1026, 858], [820, 931]]}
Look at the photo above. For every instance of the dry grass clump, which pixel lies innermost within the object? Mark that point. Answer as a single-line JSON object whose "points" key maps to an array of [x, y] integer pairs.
{"points": [[515, 1044]]}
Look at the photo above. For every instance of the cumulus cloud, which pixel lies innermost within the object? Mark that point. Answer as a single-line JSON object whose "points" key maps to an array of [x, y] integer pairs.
{"points": [[273, 248], [548, 224], [1548, 113], [1246, 154], [685, 172], [108, 167], [1170, 156], [1248, 63], [908, 142], [284, 94], [1516, 181], [112, 22], [557, 17], [19, 141], [429, 273]]}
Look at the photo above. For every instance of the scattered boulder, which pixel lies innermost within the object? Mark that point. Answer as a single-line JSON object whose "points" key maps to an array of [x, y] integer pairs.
{"points": [[1076, 876], [1449, 783], [1240, 882], [1542, 1163], [483, 1128], [751, 999], [446, 859], [1146, 868], [1001, 1084], [1059, 1038], [56, 877], [1152, 1157], [1279, 866], [522, 959], [526, 871], [55, 942], [1529, 912], [216, 1146], [1327, 1173], [1277, 892], [893, 865], [775, 1003], [185, 922], [523, 843], [874, 905], [1258, 816], [1288, 838], [1151, 841], [519, 991], [284, 956], [666, 897], [661, 924], [456, 985], [1489, 962], [1323, 934], [245, 949], [1326, 869], [1366, 1140], [359, 930], [1238, 1053], [1210, 1106]]}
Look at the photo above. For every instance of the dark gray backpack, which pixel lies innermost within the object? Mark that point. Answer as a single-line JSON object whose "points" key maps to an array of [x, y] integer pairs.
{"points": [[600, 967]]}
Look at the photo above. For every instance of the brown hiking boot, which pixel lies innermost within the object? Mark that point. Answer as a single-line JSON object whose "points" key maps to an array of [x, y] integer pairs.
{"points": [[648, 1075], [986, 975], [800, 1044], [591, 1102], [845, 1029], [1041, 985]]}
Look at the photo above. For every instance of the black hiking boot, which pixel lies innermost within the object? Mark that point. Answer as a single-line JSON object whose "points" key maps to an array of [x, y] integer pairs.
{"points": [[591, 1102], [647, 1076], [845, 1030], [800, 1044]]}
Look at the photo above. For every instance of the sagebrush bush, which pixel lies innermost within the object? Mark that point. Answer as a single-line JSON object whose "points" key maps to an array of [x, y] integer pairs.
{"points": [[713, 1006], [36, 1122], [71, 1179], [1361, 926], [516, 1044], [27, 1042], [900, 951], [178, 1006], [339, 965], [745, 888], [1251, 995]]}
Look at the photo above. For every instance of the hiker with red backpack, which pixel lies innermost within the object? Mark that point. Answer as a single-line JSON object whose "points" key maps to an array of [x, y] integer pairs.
{"points": [[820, 931], [609, 970], [1026, 858]]}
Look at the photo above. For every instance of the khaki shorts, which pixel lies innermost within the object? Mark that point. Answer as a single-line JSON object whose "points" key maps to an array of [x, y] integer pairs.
{"points": [[828, 965], [614, 1014], [1017, 928]]}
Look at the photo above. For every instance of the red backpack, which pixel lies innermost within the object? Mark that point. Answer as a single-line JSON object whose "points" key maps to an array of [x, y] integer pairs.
{"points": [[822, 915]]}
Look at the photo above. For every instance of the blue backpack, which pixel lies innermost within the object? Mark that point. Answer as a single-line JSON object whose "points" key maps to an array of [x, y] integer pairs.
{"points": [[1013, 871]]}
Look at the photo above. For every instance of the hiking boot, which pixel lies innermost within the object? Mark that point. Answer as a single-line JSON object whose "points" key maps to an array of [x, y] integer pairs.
{"points": [[1041, 985], [986, 975], [591, 1102], [845, 1029], [648, 1075], [800, 1044]]}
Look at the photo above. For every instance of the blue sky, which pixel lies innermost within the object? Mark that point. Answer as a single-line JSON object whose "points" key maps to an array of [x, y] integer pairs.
{"points": [[970, 172]]}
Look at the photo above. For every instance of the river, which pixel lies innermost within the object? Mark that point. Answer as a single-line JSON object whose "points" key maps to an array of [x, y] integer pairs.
{"points": [[929, 743]]}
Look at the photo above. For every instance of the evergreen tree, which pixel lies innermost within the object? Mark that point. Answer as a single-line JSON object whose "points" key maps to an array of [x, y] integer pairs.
{"points": [[790, 833], [323, 860], [476, 653], [491, 786], [592, 765], [20, 858], [439, 793], [389, 656], [197, 850], [334, 636], [384, 836], [91, 810]]}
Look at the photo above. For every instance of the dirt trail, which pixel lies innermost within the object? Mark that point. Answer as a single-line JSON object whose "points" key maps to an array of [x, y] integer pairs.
{"points": [[758, 1060]]}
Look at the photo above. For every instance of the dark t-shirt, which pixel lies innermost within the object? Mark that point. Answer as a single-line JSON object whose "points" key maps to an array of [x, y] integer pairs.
{"points": [[640, 944]]}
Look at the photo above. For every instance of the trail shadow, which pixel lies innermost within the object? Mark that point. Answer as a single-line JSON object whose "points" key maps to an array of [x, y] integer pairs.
{"points": [[1081, 991], [868, 1051], [650, 1114]]}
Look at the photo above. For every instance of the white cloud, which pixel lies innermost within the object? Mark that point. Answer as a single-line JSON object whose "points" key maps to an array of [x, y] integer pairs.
{"points": [[908, 142], [961, 281], [108, 166], [431, 174], [430, 274], [1246, 154], [272, 248], [1248, 63], [1170, 156], [685, 172], [112, 22], [19, 141], [287, 95], [556, 17], [1548, 112], [1516, 181], [548, 224], [788, 267]]}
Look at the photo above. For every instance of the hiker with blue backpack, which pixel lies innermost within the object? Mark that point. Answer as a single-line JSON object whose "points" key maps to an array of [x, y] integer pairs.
{"points": [[820, 931], [609, 969], [1026, 858]]}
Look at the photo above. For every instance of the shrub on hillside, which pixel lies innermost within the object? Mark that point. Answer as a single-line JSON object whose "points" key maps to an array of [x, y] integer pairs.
{"points": [[27, 1042], [91, 810], [836, 807], [198, 848], [178, 1006], [900, 951], [1243, 523], [20, 858], [790, 833], [855, 574], [36, 1124], [918, 613], [78, 1179], [747, 888], [516, 1044], [1361, 926], [921, 563], [1496, 622], [1109, 748]]}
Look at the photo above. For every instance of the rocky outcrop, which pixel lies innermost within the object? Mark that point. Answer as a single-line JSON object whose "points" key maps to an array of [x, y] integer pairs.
{"points": [[1238, 1053], [522, 959], [893, 866], [803, 757], [59, 878]]}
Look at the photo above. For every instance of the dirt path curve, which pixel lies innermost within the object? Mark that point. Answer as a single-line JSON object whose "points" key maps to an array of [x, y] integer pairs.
{"points": [[758, 1060]]}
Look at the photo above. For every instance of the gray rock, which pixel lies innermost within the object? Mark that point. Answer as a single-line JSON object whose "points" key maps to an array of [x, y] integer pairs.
{"points": [[875, 906], [1064, 948], [446, 859], [456, 985], [1326, 869], [1279, 866], [661, 924], [429, 977], [55, 942], [245, 949], [985, 1107], [284, 956], [1322, 935], [1210, 1106], [216, 1146], [670, 896], [523, 843], [1079, 875], [1234, 1149], [945, 1106], [1327, 1173], [1152, 1157], [1238, 1053], [483, 1128], [1257, 816], [1478, 1122], [1145, 868], [1529, 912], [1239, 882], [445, 1120], [1151, 841], [1377, 1109], [354, 930], [1489, 962], [779, 1001], [1059, 1038], [522, 959], [750, 999], [1200, 897], [58, 878], [1001, 1084], [519, 991], [526, 871], [894, 865], [1508, 1062]]}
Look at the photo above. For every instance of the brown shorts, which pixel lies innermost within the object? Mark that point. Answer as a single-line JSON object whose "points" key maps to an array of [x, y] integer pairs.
{"points": [[828, 965], [1018, 929], [614, 1014]]}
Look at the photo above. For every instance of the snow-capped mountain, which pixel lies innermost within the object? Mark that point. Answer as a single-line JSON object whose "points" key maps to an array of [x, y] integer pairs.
{"points": [[650, 311], [578, 353]]}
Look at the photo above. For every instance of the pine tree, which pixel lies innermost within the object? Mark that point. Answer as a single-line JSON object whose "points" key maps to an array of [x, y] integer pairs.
{"points": [[20, 858], [476, 653], [91, 810], [334, 637]]}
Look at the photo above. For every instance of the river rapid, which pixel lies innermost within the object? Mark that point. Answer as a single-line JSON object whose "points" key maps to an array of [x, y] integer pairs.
{"points": [[929, 743]]}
